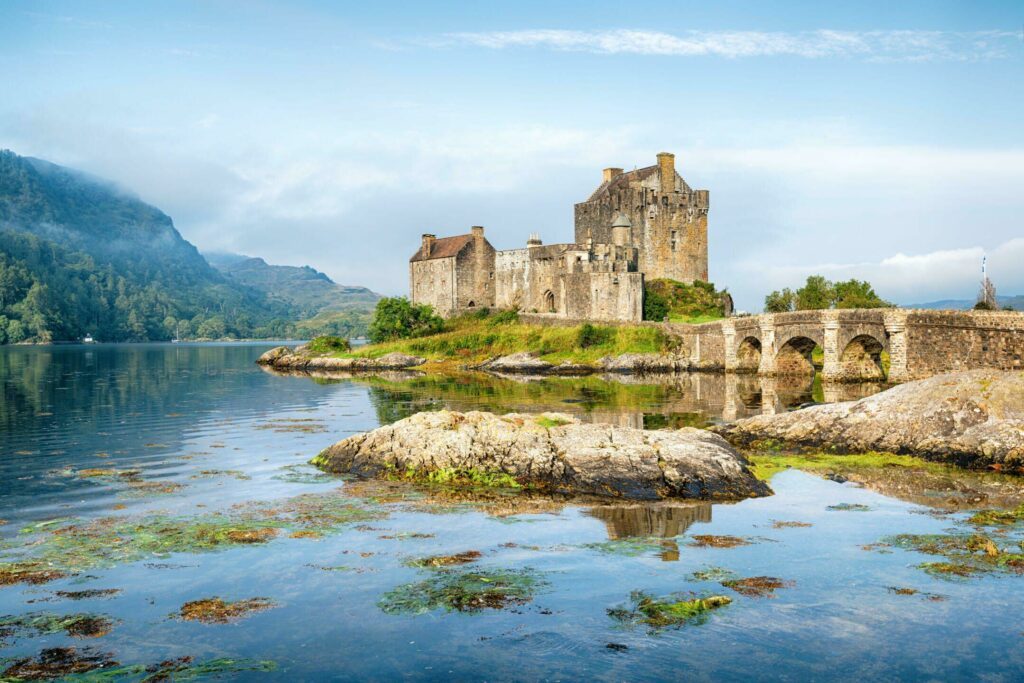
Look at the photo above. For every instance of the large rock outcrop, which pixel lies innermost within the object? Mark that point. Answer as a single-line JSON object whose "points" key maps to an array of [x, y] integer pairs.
{"points": [[973, 419], [554, 453], [283, 358]]}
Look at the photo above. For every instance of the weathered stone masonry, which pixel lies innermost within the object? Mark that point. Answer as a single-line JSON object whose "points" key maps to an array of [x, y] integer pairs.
{"points": [[637, 224], [920, 343]]}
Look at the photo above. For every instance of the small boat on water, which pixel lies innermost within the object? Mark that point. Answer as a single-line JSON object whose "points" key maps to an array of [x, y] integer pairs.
{"points": [[87, 339]]}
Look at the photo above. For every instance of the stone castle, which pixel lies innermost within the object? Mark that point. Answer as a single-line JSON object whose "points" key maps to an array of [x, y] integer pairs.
{"points": [[642, 223]]}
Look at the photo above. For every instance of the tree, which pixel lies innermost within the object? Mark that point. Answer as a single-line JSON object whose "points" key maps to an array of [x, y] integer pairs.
{"points": [[857, 294], [816, 294], [819, 293], [780, 301], [397, 318], [655, 305]]}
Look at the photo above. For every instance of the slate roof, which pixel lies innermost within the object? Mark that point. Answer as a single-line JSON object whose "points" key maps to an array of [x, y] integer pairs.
{"points": [[444, 247], [624, 179]]}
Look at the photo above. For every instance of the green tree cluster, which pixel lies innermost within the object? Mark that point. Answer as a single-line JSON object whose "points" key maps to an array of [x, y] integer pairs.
{"points": [[819, 293], [681, 301], [397, 318]]}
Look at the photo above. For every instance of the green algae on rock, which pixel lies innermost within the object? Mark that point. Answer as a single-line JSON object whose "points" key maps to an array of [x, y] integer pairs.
{"points": [[179, 669], [716, 574], [671, 611], [848, 507], [464, 591], [630, 547]]}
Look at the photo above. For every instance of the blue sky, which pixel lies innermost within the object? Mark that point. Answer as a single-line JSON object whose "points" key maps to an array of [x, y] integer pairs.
{"points": [[874, 140]]}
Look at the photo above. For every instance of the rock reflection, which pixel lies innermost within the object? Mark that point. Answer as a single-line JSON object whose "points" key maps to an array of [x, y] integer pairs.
{"points": [[654, 520]]}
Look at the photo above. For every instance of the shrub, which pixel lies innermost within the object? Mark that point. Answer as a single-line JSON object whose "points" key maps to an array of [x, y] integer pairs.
{"points": [[505, 318], [328, 344], [589, 335], [397, 318], [655, 306]]}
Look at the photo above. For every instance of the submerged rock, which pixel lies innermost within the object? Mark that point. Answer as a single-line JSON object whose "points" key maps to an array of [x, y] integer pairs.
{"points": [[300, 358], [973, 418], [550, 452], [643, 363]]}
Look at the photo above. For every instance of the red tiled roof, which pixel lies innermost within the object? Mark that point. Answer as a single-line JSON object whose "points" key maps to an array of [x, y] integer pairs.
{"points": [[444, 247]]}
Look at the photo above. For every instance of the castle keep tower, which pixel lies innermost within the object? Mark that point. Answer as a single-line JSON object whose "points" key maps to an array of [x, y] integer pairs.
{"points": [[668, 221]]}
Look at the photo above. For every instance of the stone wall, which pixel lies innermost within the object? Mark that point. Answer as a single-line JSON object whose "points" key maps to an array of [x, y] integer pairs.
{"points": [[669, 223], [433, 282], [943, 341]]}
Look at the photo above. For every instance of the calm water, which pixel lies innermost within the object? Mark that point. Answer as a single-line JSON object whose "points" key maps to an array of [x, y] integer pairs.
{"points": [[215, 433]]}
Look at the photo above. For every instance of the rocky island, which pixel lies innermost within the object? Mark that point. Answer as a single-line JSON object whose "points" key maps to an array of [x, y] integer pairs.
{"points": [[971, 419], [550, 452]]}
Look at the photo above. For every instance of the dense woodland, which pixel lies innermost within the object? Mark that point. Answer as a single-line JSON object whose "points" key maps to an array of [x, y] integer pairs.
{"points": [[80, 257]]}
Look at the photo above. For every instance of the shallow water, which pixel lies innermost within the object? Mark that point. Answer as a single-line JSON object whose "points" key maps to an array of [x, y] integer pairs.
{"points": [[205, 418]]}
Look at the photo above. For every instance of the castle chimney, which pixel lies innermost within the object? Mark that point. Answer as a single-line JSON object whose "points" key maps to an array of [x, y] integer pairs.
{"points": [[610, 173], [534, 240], [428, 244], [477, 231], [667, 167]]}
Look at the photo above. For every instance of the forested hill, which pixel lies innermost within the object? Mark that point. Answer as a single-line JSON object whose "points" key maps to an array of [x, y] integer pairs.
{"points": [[80, 256], [305, 290]]}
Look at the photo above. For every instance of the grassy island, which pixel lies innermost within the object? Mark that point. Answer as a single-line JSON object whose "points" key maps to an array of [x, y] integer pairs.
{"points": [[479, 336]]}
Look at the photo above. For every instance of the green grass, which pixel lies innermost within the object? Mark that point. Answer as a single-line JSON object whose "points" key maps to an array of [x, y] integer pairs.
{"points": [[696, 319], [475, 339]]}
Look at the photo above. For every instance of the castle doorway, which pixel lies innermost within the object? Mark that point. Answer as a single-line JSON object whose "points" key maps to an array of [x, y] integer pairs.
{"points": [[549, 301]]}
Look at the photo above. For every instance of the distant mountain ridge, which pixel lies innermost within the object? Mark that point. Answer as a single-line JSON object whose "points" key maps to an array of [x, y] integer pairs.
{"points": [[305, 289], [1016, 302], [80, 256]]}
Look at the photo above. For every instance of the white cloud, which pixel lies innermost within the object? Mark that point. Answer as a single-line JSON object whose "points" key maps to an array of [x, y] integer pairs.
{"points": [[918, 278], [903, 45]]}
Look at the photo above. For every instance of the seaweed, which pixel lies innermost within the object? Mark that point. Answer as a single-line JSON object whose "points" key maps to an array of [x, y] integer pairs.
{"points": [[964, 555], [33, 624], [435, 561], [179, 669], [848, 507], [717, 574], [757, 586], [712, 541], [670, 611], [464, 591], [66, 546], [629, 547], [56, 662], [217, 611], [781, 524]]}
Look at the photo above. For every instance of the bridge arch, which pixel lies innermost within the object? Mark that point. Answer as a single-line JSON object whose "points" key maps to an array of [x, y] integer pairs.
{"points": [[748, 354], [861, 359], [794, 356]]}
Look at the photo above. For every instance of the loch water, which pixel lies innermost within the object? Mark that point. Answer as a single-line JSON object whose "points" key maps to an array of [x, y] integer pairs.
{"points": [[112, 437]]}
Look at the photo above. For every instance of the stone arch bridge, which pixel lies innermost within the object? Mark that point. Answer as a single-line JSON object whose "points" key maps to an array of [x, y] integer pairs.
{"points": [[918, 343]]}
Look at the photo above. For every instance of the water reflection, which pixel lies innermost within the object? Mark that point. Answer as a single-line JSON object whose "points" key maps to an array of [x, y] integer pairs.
{"points": [[639, 401]]}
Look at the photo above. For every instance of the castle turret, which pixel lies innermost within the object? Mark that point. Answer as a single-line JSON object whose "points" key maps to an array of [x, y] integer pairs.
{"points": [[610, 173], [621, 227], [534, 240]]}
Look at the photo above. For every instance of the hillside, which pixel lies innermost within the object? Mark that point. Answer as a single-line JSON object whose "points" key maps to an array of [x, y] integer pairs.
{"points": [[1016, 302], [80, 256], [305, 290]]}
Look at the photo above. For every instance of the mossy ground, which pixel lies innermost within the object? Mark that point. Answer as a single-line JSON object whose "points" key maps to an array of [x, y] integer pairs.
{"points": [[470, 339], [671, 611], [452, 476]]}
